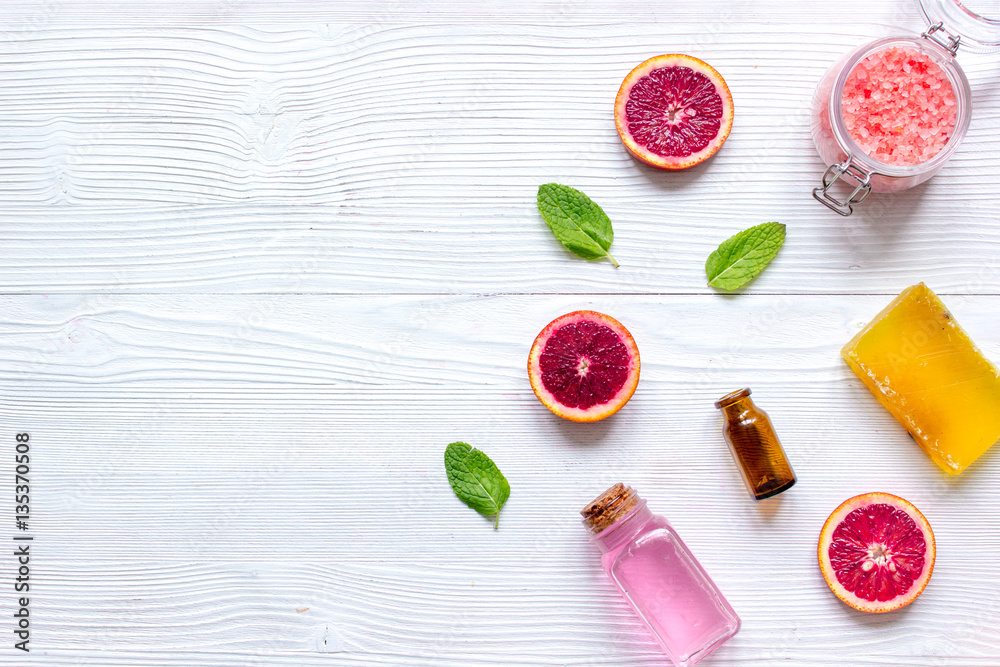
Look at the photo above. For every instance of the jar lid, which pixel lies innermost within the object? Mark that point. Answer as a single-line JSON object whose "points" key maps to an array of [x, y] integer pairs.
{"points": [[979, 32]]}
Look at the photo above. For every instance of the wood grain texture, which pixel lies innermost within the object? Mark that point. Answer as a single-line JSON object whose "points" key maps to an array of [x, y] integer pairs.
{"points": [[34, 15], [405, 158], [197, 486], [263, 261]]}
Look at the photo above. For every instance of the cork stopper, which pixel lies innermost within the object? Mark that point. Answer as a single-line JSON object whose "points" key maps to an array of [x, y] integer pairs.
{"points": [[732, 397], [609, 507]]}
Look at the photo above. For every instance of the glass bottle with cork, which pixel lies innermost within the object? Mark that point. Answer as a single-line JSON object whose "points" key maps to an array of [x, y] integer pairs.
{"points": [[659, 576]]}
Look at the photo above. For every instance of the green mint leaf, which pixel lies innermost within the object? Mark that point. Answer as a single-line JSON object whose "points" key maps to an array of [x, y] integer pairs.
{"points": [[476, 480], [740, 258], [578, 223]]}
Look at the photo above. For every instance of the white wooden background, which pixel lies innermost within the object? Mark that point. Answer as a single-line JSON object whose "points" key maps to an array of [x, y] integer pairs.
{"points": [[261, 262]]}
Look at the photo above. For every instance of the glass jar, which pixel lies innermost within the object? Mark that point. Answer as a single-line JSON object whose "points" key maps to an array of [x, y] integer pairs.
{"points": [[854, 166], [659, 576]]}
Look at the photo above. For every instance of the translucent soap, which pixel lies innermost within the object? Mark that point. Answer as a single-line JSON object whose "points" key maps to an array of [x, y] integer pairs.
{"points": [[928, 373]]}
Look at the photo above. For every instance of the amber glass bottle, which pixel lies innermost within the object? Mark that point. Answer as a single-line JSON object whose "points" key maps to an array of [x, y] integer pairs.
{"points": [[755, 446]]}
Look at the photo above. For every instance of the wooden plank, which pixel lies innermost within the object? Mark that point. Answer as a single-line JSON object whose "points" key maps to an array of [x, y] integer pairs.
{"points": [[33, 15], [424, 340], [406, 159], [194, 493]]}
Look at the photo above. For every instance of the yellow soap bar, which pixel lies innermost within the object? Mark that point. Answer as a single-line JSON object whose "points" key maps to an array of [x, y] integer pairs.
{"points": [[928, 373]]}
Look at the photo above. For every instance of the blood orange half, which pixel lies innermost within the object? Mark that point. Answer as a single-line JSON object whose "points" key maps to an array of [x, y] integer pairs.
{"points": [[584, 366], [876, 552], [673, 111]]}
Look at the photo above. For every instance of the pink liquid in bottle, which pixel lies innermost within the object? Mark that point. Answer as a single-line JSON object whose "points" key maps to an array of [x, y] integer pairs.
{"points": [[660, 577]]}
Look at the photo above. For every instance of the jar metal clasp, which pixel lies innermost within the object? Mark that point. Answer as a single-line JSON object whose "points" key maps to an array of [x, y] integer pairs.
{"points": [[854, 176], [950, 45]]}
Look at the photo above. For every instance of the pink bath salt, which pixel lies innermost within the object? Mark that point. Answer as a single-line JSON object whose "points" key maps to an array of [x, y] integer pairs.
{"points": [[899, 106]]}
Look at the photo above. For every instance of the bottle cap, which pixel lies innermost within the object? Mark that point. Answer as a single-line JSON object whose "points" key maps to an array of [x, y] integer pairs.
{"points": [[609, 507]]}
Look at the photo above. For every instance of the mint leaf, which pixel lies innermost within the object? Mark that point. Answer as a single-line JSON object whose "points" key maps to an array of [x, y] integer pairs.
{"points": [[476, 480], [740, 258], [578, 223]]}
